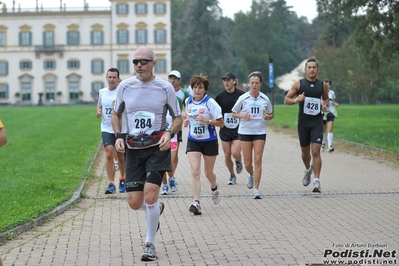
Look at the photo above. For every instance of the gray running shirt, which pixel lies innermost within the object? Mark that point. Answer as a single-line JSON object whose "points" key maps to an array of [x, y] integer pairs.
{"points": [[146, 104]]}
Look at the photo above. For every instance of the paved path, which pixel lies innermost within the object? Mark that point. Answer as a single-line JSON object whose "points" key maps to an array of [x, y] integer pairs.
{"points": [[289, 226]]}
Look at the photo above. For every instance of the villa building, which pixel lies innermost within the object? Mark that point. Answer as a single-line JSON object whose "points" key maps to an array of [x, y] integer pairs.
{"points": [[61, 55]]}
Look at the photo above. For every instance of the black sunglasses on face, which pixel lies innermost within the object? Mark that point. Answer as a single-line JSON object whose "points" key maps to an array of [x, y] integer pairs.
{"points": [[141, 61]]}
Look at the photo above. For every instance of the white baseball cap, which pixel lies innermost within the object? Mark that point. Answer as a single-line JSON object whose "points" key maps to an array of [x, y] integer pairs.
{"points": [[175, 73]]}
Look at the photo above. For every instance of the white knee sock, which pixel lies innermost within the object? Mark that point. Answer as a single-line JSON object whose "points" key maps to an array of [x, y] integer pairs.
{"points": [[330, 139], [152, 219]]}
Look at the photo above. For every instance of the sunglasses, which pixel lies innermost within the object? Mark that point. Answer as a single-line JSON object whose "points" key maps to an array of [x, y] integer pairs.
{"points": [[141, 61]]}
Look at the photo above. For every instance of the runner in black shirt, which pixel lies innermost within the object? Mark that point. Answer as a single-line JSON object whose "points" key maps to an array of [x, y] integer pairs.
{"points": [[312, 96], [228, 134]]}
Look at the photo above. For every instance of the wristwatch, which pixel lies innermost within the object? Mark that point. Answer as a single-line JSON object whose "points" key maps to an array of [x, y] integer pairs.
{"points": [[171, 133]]}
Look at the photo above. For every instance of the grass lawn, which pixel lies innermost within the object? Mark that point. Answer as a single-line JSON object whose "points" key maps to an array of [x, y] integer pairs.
{"points": [[49, 150], [47, 156], [372, 125]]}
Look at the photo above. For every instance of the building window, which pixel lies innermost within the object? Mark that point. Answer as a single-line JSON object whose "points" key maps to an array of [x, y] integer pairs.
{"points": [[160, 36], [95, 87], [25, 38], [50, 64], [159, 8], [141, 8], [97, 66], [2, 39], [3, 91], [160, 67], [73, 38], [122, 9], [122, 37], [97, 37], [26, 92], [73, 64], [50, 92], [3, 68], [141, 36], [25, 64], [48, 38], [73, 91], [123, 66]]}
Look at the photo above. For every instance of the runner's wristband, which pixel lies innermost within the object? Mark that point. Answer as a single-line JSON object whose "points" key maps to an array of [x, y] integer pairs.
{"points": [[171, 133], [119, 135]]}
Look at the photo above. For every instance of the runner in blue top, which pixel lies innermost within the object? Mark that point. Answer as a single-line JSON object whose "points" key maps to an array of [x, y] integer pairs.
{"points": [[203, 114]]}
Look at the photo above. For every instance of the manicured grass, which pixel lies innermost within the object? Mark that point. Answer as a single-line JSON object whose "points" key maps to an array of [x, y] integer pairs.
{"points": [[47, 156], [372, 125]]}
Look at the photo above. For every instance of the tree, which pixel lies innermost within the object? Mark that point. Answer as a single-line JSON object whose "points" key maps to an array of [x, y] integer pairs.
{"points": [[201, 48], [337, 25], [271, 29], [377, 25], [363, 40]]}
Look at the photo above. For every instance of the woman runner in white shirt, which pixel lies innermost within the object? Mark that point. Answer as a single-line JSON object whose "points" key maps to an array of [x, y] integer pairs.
{"points": [[203, 114], [253, 109]]}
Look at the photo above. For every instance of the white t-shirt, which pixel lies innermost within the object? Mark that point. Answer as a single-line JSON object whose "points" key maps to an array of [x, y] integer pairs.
{"points": [[256, 107], [331, 98], [106, 99]]}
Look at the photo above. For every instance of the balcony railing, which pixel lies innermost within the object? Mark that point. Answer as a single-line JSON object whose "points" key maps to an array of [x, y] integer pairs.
{"points": [[86, 8], [49, 50]]}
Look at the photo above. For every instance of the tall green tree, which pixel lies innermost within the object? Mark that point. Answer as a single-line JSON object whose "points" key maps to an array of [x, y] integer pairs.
{"points": [[271, 29], [377, 25], [363, 32], [202, 47], [337, 25]]}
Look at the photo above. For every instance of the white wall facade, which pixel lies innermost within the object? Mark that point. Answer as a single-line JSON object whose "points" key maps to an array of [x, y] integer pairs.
{"points": [[79, 79]]}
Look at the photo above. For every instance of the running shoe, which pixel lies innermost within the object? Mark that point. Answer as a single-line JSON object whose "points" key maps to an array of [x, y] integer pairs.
{"points": [[161, 208], [238, 167], [306, 177], [216, 195], [149, 253], [111, 188], [122, 186], [195, 208], [250, 182], [323, 147], [257, 194], [173, 184], [116, 166], [316, 185], [232, 180], [331, 149], [165, 190]]}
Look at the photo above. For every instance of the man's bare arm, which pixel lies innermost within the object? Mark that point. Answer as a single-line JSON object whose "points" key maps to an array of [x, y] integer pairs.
{"points": [[289, 97], [116, 121]]}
